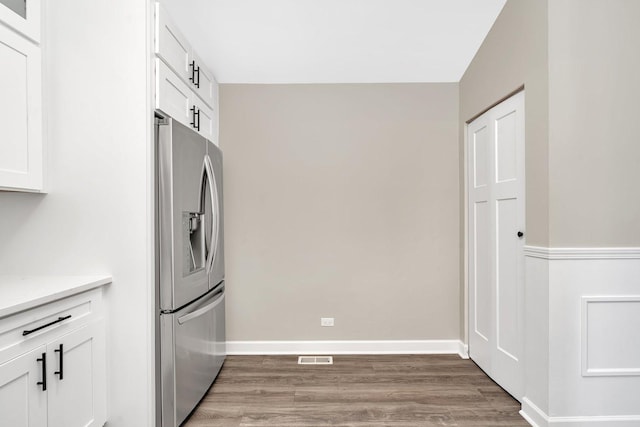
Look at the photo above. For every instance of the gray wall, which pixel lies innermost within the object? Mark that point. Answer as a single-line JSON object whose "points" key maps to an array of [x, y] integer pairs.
{"points": [[341, 201], [594, 125]]}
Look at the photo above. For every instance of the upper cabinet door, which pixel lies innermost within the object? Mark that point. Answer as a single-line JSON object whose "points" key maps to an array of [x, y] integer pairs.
{"points": [[20, 112], [176, 99], [173, 48], [205, 84], [23, 16]]}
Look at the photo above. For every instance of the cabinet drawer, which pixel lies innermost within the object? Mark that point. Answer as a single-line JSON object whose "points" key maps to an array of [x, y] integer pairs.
{"points": [[176, 99], [45, 322]]}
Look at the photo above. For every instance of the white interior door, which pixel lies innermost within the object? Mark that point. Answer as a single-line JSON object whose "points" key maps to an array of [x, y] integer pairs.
{"points": [[495, 147]]}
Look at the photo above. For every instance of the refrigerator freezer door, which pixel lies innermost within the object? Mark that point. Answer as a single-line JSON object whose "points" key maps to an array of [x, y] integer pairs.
{"points": [[182, 184], [215, 223], [192, 353]]}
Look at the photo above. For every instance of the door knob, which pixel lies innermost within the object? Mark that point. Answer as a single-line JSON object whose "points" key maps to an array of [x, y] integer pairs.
{"points": [[520, 234]]}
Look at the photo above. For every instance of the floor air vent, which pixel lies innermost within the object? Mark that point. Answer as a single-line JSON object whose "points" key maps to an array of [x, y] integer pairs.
{"points": [[315, 360]]}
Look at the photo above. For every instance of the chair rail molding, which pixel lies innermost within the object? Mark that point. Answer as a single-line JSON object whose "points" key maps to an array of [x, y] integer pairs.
{"points": [[581, 253]]}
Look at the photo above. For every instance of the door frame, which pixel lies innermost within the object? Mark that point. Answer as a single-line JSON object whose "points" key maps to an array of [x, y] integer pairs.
{"points": [[465, 183]]}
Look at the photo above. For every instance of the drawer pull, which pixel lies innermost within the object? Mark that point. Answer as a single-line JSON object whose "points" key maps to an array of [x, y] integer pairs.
{"points": [[60, 319]]}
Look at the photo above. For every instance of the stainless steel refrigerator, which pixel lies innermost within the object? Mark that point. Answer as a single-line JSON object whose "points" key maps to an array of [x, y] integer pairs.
{"points": [[190, 297]]}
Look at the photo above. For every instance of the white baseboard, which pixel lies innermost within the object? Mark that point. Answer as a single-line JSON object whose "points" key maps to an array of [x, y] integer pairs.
{"points": [[347, 347], [537, 418], [534, 415], [463, 350]]}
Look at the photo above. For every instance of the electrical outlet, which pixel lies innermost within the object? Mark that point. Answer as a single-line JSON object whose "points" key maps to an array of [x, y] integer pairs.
{"points": [[326, 321]]}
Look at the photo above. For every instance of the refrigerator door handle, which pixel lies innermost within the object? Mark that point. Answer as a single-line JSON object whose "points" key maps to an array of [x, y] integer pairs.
{"points": [[215, 208], [199, 312]]}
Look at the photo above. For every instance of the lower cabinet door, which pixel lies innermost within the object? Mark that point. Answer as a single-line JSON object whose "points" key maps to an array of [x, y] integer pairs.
{"points": [[77, 380], [23, 400]]}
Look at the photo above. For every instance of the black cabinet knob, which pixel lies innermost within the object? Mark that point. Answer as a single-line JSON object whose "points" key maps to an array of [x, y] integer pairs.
{"points": [[520, 234]]}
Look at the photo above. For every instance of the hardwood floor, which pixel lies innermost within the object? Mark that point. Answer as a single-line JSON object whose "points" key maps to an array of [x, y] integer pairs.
{"points": [[398, 390]]}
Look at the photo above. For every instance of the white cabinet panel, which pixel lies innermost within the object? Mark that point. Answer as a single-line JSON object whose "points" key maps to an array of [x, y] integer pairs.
{"points": [[174, 49], [20, 113], [207, 121], [170, 45], [23, 402], [77, 386], [205, 83], [53, 364], [176, 99], [23, 18], [172, 95]]}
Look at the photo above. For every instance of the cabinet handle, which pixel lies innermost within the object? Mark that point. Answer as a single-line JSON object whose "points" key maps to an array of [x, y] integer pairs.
{"points": [[43, 383], [60, 319], [195, 71], [61, 371], [195, 122]]}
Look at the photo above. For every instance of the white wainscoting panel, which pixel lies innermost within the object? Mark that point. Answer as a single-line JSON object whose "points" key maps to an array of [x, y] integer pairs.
{"points": [[591, 300], [611, 336], [536, 335], [347, 347]]}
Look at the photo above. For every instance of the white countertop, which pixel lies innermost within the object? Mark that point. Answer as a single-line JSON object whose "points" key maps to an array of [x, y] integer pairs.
{"points": [[18, 293]]}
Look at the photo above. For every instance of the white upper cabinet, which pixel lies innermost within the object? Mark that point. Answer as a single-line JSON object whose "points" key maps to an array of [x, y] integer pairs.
{"points": [[21, 145], [175, 51], [23, 16], [171, 46], [175, 98], [202, 79]]}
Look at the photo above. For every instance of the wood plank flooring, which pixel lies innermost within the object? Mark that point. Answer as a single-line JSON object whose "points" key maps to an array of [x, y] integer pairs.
{"points": [[358, 391]]}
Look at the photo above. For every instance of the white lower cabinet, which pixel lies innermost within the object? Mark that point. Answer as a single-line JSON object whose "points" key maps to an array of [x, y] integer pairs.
{"points": [[77, 378], [54, 376], [22, 401]]}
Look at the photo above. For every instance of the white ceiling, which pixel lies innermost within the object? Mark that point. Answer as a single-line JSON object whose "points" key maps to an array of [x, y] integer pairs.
{"points": [[335, 41]]}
